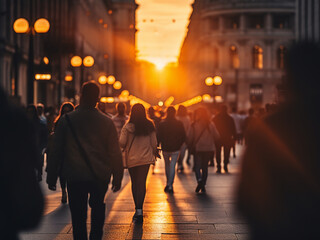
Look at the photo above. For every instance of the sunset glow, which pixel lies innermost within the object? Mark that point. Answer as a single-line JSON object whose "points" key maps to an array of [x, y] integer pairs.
{"points": [[162, 26]]}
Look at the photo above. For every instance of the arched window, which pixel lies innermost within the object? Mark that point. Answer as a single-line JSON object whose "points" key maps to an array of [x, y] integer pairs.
{"points": [[234, 57], [215, 57], [281, 52], [257, 57]]}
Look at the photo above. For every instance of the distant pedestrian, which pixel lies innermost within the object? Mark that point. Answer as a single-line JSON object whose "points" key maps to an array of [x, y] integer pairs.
{"points": [[171, 136], [121, 117], [40, 110], [86, 151], [182, 115], [64, 109], [138, 138], [203, 137], [50, 116], [248, 121], [238, 121], [152, 115], [21, 197], [41, 133], [227, 130]]}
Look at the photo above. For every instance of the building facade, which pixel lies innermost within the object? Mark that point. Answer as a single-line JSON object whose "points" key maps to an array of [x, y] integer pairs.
{"points": [[244, 42], [77, 28]]}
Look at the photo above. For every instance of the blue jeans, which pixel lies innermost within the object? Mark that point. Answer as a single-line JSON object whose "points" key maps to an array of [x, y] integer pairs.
{"points": [[170, 160]]}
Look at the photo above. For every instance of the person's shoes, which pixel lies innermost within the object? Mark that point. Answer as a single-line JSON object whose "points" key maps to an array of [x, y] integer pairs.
{"points": [[211, 164], [226, 169], [64, 197], [166, 189], [170, 190], [198, 187], [203, 189], [218, 170], [137, 219]]}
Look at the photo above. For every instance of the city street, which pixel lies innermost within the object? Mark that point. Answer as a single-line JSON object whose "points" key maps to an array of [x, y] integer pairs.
{"points": [[183, 215]]}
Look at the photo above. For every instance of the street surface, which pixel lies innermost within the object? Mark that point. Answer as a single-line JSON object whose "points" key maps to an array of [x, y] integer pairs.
{"points": [[183, 215]]}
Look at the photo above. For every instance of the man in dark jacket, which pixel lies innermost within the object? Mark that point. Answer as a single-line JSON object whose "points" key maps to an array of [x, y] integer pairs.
{"points": [[86, 149], [171, 136], [227, 130]]}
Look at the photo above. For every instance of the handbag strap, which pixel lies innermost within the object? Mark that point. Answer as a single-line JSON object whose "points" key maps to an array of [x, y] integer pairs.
{"points": [[197, 140], [82, 150]]}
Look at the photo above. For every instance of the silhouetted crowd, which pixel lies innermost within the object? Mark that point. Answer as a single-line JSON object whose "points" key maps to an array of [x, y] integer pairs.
{"points": [[86, 148]]}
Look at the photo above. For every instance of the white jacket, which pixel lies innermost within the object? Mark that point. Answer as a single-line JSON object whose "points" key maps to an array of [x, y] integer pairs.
{"points": [[142, 148]]}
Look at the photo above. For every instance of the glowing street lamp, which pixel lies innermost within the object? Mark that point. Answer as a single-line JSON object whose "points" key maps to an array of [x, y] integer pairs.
{"points": [[214, 82], [88, 61], [217, 80], [103, 80], [76, 61], [117, 85], [41, 25], [111, 80], [209, 81]]}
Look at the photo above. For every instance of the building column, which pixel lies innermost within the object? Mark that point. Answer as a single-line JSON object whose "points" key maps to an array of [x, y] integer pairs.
{"points": [[268, 22]]}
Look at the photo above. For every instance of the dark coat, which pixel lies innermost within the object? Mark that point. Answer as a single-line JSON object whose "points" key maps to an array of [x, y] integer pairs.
{"points": [[171, 135], [226, 128]]}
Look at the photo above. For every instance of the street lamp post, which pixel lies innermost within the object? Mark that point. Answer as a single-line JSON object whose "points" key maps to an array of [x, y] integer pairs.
{"points": [[213, 82], [21, 25]]}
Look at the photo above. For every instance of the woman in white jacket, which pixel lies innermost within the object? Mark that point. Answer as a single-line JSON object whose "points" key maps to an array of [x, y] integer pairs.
{"points": [[138, 138]]}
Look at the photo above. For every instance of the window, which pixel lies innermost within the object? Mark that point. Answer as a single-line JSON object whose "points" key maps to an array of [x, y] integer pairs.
{"points": [[232, 22], [284, 21], [281, 52], [257, 57], [255, 21], [256, 93], [234, 57], [214, 23]]}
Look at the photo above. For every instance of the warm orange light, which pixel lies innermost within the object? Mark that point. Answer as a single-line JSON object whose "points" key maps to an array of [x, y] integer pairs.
{"points": [[105, 25], [68, 78], [110, 11], [125, 93], [160, 103], [88, 61], [111, 80], [117, 85], [206, 98], [42, 25], [42, 76], [101, 20], [46, 60], [169, 101], [76, 61], [21, 25], [218, 99], [107, 99], [217, 80], [209, 81], [103, 80]]}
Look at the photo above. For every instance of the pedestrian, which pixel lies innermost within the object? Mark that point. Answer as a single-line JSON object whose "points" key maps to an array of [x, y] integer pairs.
{"points": [[171, 136], [121, 117], [86, 149], [182, 115], [41, 133], [40, 110], [21, 197], [279, 188], [203, 137], [50, 116], [248, 121], [237, 118], [138, 138], [152, 115], [64, 109], [227, 131]]}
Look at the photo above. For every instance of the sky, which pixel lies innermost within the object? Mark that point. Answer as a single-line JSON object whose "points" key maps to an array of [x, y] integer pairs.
{"points": [[162, 26]]}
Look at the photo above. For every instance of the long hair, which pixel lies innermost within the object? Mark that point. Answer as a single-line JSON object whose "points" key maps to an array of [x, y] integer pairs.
{"points": [[202, 115], [138, 117], [65, 108]]}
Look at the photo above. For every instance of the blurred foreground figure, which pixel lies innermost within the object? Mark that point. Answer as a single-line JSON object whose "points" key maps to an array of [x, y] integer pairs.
{"points": [[86, 152], [21, 197], [279, 190]]}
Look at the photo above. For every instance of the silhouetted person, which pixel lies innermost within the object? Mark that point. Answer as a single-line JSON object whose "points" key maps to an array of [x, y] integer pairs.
{"points": [[227, 130], [248, 122], [182, 115], [40, 110], [64, 109], [139, 139], [156, 120], [121, 117], [237, 118], [203, 136], [171, 136], [87, 151], [21, 198], [279, 190], [51, 116], [41, 133]]}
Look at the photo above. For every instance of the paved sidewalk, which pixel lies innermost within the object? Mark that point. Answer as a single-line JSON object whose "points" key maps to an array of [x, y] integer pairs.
{"points": [[183, 215]]}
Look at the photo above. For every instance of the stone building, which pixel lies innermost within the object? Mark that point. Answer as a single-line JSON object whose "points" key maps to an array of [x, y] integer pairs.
{"points": [[77, 28], [244, 42]]}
